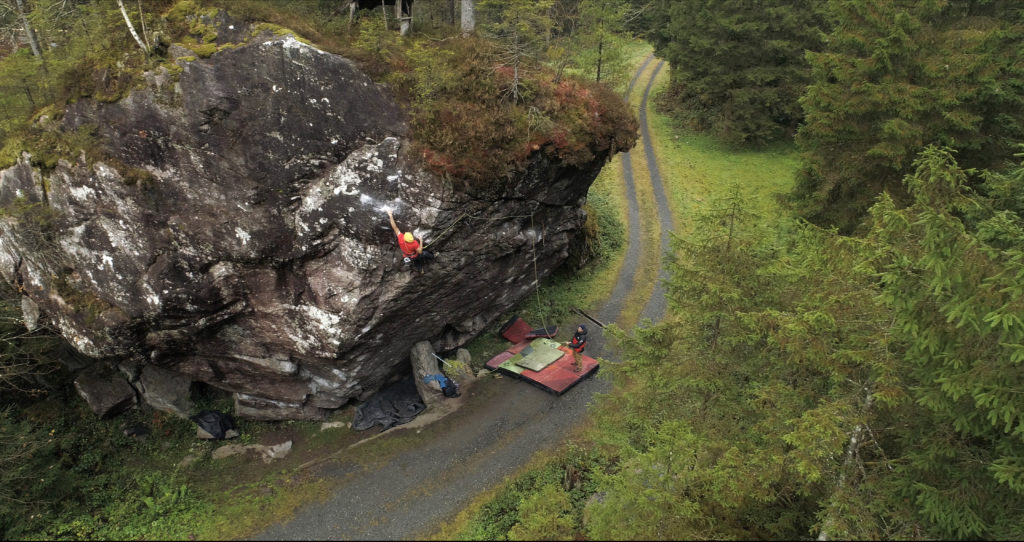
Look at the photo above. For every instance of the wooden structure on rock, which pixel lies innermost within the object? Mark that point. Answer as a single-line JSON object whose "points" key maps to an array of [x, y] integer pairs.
{"points": [[403, 11]]}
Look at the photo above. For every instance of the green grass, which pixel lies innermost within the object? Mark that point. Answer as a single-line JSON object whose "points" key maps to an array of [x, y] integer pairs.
{"points": [[95, 482], [695, 168], [116, 487], [91, 481]]}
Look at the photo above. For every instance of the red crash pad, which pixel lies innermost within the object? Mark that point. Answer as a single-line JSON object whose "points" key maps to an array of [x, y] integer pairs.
{"points": [[517, 330], [556, 377], [560, 376]]}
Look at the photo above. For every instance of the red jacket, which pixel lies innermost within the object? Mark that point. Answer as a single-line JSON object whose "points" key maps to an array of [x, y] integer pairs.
{"points": [[408, 249]]}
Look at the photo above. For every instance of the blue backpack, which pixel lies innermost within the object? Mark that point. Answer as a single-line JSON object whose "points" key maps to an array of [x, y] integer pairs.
{"points": [[448, 386]]}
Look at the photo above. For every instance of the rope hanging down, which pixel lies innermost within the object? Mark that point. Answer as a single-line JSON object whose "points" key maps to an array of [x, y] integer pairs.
{"points": [[536, 276], [532, 228]]}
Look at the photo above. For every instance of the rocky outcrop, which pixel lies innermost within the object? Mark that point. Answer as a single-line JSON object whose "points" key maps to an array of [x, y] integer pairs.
{"points": [[236, 232]]}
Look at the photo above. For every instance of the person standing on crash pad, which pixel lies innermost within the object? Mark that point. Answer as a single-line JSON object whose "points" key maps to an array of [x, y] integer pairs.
{"points": [[412, 248], [577, 344]]}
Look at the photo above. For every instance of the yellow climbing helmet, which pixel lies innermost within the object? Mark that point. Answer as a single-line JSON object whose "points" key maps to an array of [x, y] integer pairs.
{"points": [[408, 237]]}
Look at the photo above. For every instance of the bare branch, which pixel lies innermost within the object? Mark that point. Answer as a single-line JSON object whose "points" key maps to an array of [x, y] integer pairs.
{"points": [[131, 27]]}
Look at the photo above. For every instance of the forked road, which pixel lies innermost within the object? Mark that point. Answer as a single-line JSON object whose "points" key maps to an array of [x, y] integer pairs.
{"points": [[502, 425]]}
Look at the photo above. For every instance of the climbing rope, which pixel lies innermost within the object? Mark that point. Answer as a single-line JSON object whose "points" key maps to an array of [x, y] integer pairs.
{"points": [[536, 275], [473, 217], [446, 230], [533, 251]]}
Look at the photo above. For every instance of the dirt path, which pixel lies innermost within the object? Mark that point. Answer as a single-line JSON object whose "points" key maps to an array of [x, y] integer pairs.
{"points": [[624, 282], [501, 424], [655, 307]]}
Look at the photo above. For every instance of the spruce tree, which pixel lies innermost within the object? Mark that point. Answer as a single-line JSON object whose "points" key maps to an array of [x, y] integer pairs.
{"points": [[751, 408], [520, 27], [895, 77], [950, 267], [738, 67]]}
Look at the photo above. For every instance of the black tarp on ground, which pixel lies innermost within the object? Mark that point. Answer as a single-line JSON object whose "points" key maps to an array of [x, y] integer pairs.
{"points": [[214, 423], [394, 405]]}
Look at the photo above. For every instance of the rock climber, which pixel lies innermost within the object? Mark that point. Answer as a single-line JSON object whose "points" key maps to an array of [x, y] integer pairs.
{"points": [[411, 247], [577, 344]]}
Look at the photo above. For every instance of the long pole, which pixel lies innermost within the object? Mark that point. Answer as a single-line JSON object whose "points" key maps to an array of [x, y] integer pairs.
{"points": [[588, 317]]}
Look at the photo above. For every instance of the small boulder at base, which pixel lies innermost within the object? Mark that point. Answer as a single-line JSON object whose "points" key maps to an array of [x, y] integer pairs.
{"points": [[205, 435], [166, 390], [228, 450], [465, 372], [107, 393], [215, 425], [188, 460], [266, 453], [277, 451], [424, 365]]}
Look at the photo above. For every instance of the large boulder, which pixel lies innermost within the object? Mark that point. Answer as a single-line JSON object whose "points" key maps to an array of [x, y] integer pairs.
{"points": [[235, 232]]}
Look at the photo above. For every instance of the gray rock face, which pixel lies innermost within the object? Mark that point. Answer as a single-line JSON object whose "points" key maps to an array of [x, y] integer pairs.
{"points": [[30, 311], [237, 234]]}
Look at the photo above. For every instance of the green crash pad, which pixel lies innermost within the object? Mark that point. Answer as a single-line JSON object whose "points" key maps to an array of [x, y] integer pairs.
{"points": [[540, 354]]}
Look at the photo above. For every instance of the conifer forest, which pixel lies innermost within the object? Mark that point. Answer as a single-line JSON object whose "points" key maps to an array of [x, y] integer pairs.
{"points": [[841, 354]]}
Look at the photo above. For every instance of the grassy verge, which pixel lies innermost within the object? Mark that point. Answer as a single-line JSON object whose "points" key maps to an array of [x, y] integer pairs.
{"points": [[92, 481]]}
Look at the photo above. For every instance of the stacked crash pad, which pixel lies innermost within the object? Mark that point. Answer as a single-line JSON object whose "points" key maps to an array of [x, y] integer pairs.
{"points": [[516, 330], [543, 362]]}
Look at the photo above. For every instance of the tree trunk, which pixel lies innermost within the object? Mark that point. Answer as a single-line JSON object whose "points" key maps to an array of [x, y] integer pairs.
{"points": [[449, 13], [403, 10], [131, 28], [33, 40], [28, 94], [468, 18], [856, 439], [142, 22]]}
